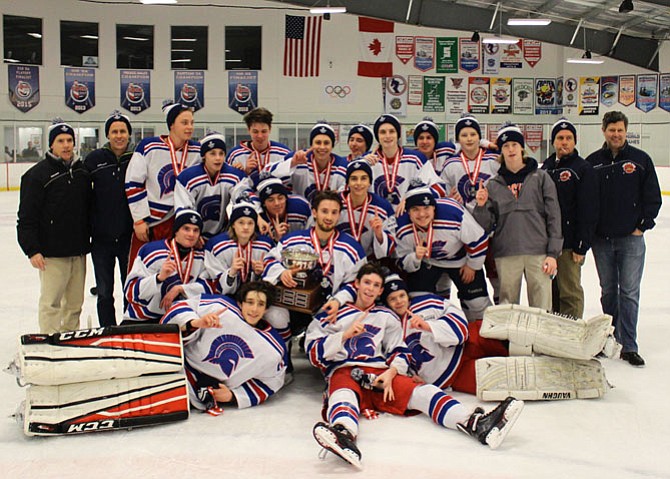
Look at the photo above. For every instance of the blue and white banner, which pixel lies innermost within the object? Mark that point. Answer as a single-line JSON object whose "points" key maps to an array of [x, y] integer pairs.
{"points": [[242, 91], [24, 86], [189, 88], [135, 90], [80, 89], [646, 93]]}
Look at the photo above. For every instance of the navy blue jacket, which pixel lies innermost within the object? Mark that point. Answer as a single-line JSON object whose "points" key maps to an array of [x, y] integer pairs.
{"points": [[577, 187], [630, 196], [110, 215]]}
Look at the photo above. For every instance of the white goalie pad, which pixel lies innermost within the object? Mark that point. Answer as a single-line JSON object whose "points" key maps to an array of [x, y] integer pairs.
{"points": [[533, 330], [539, 378], [98, 353], [104, 405]]}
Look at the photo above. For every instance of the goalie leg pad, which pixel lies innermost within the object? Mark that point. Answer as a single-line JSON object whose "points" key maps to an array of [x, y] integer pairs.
{"points": [[98, 353], [539, 378], [535, 330], [105, 405]]}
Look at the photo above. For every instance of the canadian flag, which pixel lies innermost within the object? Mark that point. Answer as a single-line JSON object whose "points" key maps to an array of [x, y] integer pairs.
{"points": [[376, 47]]}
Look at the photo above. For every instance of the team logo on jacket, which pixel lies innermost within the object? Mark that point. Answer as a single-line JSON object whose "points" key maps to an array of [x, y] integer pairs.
{"points": [[226, 351], [166, 180], [362, 346], [565, 176], [629, 167], [420, 354], [210, 208]]}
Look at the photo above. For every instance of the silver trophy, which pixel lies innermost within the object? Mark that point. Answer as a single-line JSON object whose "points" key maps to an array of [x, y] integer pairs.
{"points": [[302, 258]]}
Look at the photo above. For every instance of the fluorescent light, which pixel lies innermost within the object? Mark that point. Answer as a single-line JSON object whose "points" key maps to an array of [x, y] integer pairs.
{"points": [[181, 60], [234, 61], [10, 60], [184, 40], [35, 35], [529, 21], [586, 58], [136, 39], [323, 10], [500, 40], [183, 50], [89, 37], [157, 2]]}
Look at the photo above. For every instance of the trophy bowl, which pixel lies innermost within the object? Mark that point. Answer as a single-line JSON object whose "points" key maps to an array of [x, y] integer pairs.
{"points": [[299, 257]]}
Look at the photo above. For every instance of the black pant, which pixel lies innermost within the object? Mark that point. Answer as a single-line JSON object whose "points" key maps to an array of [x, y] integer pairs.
{"points": [[104, 255]]}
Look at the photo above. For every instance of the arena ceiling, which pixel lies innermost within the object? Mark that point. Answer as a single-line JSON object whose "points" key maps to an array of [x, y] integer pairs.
{"points": [[596, 25]]}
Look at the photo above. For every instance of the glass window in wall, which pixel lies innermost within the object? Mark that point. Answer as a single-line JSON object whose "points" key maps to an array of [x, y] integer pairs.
{"points": [[22, 39], [189, 48], [87, 140], [29, 143], [243, 48], [135, 46], [78, 44]]}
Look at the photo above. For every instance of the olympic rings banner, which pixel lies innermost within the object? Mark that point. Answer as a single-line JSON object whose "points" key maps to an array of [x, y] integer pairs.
{"points": [[337, 92]]}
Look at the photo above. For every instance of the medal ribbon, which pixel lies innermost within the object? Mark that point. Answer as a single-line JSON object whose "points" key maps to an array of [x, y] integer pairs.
{"points": [[391, 176], [329, 247], [244, 252], [184, 274], [405, 321], [177, 167], [429, 237], [317, 175], [263, 158], [357, 229], [478, 164]]}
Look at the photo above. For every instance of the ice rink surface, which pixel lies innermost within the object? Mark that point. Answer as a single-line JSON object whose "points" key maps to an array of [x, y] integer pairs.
{"points": [[624, 435]]}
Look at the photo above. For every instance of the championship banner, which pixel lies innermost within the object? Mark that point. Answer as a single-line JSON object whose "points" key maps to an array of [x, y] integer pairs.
{"points": [[456, 95], [646, 93], [189, 88], [491, 63], [337, 92], [664, 88], [559, 93], [415, 90], [627, 90], [424, 57], [396, 96], [545, 96], [589, 94], [135, 90], [511, 56], [501, 96], [80, 89], [404, 48], [522, 93], [478, 95], [468, 55], [24, 86], [533, 136], [433, 94], [609, 88], [532, 51], [446, 58], [570, 94], [242, 91]]}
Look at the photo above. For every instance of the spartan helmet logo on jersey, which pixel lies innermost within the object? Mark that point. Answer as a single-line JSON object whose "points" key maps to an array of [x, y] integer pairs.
{"points": [[210, 208], [420, 354], [362, 346], [226, 351], [166, 179]]}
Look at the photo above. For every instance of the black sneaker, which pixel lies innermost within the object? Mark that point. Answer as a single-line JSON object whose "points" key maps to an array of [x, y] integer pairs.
{"points": [[338, 440], [633, 359], [491, 428]]}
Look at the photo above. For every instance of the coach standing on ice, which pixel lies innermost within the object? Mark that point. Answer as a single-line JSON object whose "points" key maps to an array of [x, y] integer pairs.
{"points": [[630, 198]]}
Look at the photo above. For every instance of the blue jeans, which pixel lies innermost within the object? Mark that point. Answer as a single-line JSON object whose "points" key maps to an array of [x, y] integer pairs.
{"points": [[104, 255], [620, 262]]}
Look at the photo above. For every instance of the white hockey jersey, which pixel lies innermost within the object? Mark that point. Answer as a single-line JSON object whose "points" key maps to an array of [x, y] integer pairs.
{"points": [[467, 180], [241, 153], [250, 361], [151, 177], [298, 214]]}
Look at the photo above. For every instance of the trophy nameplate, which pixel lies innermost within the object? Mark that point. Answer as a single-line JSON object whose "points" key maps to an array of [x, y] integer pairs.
{"points": [[307, 296]]}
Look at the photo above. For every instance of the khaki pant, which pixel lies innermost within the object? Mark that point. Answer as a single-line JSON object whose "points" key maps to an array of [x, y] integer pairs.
{"points": [[568, 292], [61, 294], [511, 269]]}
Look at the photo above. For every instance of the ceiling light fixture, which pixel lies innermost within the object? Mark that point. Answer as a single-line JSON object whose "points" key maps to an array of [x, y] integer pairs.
{"points": [[524, 22], [34, 35], [157, 2], [498, 38], [626, 6], [586, 58], [324, 10]]}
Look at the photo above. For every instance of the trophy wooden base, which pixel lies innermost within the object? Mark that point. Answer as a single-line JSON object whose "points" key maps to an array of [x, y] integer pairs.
{"points": [[302, 300]]}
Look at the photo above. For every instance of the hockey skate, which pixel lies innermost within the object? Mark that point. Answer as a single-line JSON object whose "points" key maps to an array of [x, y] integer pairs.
{"points": [[491, 428], [338, 440]]}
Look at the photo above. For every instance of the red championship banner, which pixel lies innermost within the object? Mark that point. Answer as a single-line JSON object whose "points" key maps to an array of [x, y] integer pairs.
{"points": [[532, 51], [627, 90], [478, 95], [404, 48], [533, 136]]}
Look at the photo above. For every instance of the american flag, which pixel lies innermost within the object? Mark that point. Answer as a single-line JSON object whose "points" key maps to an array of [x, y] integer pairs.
{"points": [[302, 46]]}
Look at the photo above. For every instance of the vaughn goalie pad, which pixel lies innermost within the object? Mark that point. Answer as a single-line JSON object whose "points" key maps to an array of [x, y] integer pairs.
{"points": [[105, 405], [98, 353], [539, 378], [535, 330]]}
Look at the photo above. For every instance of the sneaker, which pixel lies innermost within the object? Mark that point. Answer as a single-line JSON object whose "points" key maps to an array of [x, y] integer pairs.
{"points": [[338, 440], [491, 428], [633, 358]]}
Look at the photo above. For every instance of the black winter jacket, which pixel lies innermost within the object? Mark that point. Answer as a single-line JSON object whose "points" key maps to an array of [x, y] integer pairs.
{"points": [[577, 188], [110, 215], [630, 196], [53, 217]]}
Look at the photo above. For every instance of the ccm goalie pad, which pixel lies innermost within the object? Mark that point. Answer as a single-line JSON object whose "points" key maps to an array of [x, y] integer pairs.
{"points": [[539, 378], [98, 353], [104, 405], [533, 330]]}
